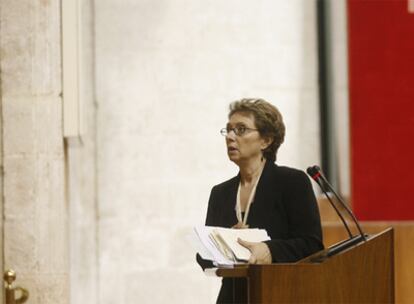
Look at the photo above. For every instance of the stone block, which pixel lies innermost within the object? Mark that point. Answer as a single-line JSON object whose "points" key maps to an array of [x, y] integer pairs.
{"points": [[32, 125], [50, 183], [52, 243], [31, 49], [45, 288], [19, 125], [20, 187], [35, 213], [36, 245], [20, 245], [33, 186], [48, 126]]}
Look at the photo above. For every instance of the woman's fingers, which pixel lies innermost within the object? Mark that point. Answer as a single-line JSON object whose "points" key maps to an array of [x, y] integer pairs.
{"points": [[252, 259], [237, 226], [251, 247], [246, 244], [240, 225], [260, 253]]}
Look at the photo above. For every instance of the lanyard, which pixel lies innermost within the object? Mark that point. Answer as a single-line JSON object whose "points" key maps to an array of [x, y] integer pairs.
{"points": [[249, 202]]}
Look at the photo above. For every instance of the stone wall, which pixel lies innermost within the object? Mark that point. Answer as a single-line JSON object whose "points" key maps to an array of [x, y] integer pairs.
{"points": [[49, 187], [35, 210], [81, 176], [166, 72]]}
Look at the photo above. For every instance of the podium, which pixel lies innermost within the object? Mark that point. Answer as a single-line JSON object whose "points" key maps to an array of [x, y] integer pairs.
{"points": [[363, 273]]}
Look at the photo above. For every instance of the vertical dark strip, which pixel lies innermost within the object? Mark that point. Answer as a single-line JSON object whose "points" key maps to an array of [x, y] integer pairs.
{"points": [[323, 86]]}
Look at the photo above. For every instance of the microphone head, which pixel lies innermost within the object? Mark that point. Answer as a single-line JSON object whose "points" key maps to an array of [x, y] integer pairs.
{"points": [[313, 170]]}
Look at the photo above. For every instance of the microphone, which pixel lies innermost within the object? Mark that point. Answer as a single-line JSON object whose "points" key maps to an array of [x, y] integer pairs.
{"points": [[316, 174]]}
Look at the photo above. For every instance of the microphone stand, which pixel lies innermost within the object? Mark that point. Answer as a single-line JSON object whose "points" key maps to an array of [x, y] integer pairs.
{"points": [[316, 174], [344, 205], [334, 206]]}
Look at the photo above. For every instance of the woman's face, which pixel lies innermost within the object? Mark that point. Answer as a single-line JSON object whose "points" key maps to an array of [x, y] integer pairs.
{"points": [[247, 146]]}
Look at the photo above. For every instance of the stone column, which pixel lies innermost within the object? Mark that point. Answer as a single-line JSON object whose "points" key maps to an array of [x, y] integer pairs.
{"points": [[35, 211]]}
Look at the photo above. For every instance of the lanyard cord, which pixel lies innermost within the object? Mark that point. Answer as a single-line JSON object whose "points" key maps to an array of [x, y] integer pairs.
{"points": [[241, 218]]}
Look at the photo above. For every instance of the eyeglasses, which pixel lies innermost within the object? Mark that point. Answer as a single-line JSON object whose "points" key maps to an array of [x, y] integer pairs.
{"points": [[239, 131]]}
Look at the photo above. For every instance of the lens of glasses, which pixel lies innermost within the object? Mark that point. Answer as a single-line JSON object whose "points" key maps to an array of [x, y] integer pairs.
{"points": [[239, 130]]}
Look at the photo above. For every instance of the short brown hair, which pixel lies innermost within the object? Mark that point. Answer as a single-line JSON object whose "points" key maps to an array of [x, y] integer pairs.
{"points": [[268, 121]]}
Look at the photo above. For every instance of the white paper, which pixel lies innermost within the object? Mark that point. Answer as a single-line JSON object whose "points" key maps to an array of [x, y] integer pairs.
{"points": [[203, 234], [230, 236], [209, 251]]}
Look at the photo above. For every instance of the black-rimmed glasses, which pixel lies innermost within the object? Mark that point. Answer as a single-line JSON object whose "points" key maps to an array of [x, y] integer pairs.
{"points": [[239, 131]]}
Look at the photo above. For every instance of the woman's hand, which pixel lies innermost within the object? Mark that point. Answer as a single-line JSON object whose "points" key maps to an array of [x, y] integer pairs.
{"points": [[240, 225], [260, 253]]}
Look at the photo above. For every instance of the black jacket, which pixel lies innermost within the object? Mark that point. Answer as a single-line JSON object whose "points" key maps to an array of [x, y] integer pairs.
{"points": [[284, 205]]}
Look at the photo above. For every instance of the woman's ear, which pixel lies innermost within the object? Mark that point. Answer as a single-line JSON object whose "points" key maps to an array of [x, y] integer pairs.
{"points": [[267, 141]]}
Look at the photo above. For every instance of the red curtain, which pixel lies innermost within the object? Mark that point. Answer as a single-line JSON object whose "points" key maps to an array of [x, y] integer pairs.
{"points": [[381, 82]]}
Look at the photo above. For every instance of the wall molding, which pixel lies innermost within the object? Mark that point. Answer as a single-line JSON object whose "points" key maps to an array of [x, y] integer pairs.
{"points": [[71, 63]]}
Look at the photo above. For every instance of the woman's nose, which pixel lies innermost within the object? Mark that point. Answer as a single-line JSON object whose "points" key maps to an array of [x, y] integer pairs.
{"points": [[231, 135]]}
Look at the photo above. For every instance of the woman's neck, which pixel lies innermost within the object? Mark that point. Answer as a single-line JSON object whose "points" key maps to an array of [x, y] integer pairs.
{"points": [[249, 172]]}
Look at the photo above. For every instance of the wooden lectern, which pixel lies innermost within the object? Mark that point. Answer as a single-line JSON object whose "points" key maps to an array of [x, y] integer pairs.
{"points": [[363, 273]]}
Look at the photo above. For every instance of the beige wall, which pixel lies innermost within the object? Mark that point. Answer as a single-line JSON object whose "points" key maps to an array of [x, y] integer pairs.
{"points": [[81, 177], [35, 211], [49, 201], [166, 71]]}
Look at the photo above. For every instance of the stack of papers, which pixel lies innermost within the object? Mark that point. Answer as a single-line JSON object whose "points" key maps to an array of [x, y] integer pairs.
{"points": [[220, 244]]}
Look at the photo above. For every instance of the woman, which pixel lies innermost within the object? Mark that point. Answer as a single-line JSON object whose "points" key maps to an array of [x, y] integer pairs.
{"points": [[263, 194]]}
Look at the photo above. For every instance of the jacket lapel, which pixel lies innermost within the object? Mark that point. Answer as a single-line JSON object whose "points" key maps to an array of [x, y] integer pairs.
{"points": [[263, 193], [229, 216]]}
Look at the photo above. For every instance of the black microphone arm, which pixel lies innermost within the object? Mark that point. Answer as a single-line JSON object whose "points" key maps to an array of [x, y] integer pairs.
{"points": [[316, 174], [316, 178]]}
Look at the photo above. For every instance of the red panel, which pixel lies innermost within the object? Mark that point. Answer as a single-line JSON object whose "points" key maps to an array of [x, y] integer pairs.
{"points": [[381, 79]]}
